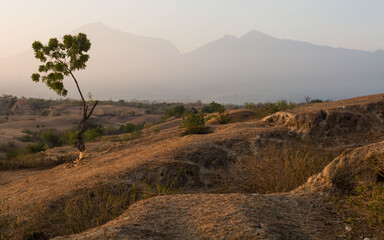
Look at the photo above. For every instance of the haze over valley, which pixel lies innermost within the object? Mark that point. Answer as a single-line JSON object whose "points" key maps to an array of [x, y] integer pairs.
{"points": [[250, 68]]}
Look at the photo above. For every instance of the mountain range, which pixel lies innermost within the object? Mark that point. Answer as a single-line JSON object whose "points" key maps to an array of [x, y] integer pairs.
{"points": [[255, 67]]}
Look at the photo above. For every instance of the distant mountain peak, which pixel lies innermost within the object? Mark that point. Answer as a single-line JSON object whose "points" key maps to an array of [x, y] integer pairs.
{"points": [[253, 34], [229, 36]]}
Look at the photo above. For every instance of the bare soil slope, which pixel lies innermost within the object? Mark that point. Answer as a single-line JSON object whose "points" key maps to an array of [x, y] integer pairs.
{"points": [[194, 161]]}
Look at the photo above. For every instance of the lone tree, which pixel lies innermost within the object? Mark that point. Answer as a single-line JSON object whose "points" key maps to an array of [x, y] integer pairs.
{"points": [[61, 59]]}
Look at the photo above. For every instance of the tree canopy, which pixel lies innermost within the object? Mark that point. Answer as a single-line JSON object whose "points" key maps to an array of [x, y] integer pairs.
{"points": [[60, 59]]}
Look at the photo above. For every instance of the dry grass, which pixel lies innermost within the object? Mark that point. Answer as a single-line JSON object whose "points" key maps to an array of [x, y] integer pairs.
{"points": [[87, 209], [37, 161], [363, 209], [276, 168]]}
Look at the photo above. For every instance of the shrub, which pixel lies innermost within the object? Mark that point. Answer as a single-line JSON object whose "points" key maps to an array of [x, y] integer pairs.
{"points": [[25, 138], [156, 130], [177, 111], [35, 148], [70, 137], [223, 117], [128, 128], [132, 136], [26, 131], [213, 107], [194, 123], [51, 139], [93, 133], [111, 131]]}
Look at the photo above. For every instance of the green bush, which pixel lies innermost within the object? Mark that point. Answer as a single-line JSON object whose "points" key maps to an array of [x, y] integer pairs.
{"points": [[51, 139], [128, 128], [177, 111], [213, 107], [93, 133], [223, 117], [25, 138], [70, 137], [27, 131], [194, 123], [34, 148], [156, 130], [111, 131]]}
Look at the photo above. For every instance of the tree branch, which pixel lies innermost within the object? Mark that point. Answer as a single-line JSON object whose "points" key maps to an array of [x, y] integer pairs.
{"points": [[90, 113]]}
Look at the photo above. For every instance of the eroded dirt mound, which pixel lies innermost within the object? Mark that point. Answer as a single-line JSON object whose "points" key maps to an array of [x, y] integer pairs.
{"points": [[221, 216], [355, 167], [363, 115], [301, 214]]}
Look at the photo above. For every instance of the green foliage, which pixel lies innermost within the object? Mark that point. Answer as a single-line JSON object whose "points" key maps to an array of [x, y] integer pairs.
{"points": [[70, 137], [128, 128], [223, 117], [213, 107], [12, 153], [60, 59], [93, 133], [194, 123], [35, 148], [25, 138], [51, 139], [132, 136], [27, 131], [265, 109], [39, 104], [250, 106], [111, 131], [156, 130], [177, 111]]}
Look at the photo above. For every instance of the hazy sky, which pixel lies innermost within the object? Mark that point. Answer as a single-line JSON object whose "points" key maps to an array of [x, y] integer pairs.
{"points": [[356, 24]]}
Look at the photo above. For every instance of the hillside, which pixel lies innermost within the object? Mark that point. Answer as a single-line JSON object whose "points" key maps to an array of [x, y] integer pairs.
{"points": [[194, 164]]}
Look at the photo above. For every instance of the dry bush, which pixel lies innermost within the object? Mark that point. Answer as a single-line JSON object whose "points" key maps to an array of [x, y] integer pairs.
{"points": [[275, 168]]}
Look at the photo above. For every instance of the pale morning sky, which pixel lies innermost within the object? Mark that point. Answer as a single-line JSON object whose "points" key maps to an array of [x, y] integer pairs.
{"points": [[355, 24]]}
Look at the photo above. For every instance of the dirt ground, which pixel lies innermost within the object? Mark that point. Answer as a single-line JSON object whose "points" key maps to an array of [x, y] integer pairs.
{"points": [[305, 213]]}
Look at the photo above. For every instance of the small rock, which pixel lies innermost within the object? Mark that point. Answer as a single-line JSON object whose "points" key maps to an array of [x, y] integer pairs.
{"points": [[348, 228]]}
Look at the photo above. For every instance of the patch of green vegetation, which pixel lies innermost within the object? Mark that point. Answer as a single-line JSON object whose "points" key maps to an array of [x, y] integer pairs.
{"points": [[265, 109], [177, 111], [25, 138], [194, 123], [51, 139], [223, 117], [213, 107]]}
